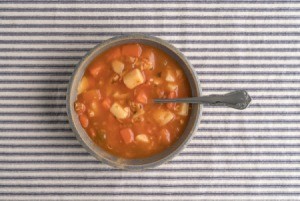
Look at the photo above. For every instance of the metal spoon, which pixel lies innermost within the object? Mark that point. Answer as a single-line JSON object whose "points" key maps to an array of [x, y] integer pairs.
{"points": [[235, 99]]}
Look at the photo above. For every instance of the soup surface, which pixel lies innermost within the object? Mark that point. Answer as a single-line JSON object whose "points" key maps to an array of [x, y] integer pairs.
{"points": [[115, 101]]}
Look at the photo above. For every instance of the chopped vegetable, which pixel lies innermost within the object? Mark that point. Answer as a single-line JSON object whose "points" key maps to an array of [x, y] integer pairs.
{"points": [[132, 50], [92, 95], [171, 95], [118, 66], [149, 55], [106, 103], [165, 136], [142, 138], [163, 116], [183, 109], [118, 95], [84, 120], [172, 87], [119, 112], [133, 78], [127, 135], [83, 85], [169, 75], [79, 107], [95, 108], [142, 97]]}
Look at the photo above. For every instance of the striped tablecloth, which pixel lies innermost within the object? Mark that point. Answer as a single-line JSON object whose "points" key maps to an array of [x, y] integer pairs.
{"points": [[243, 44]]}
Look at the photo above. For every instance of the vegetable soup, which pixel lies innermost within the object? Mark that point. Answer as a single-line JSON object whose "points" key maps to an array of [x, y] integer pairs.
{"points": [[115, 101]]}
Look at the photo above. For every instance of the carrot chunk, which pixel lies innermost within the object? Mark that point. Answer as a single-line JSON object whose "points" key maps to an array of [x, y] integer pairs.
{"points": [[127, 135], [84, 121], [142, 97], [132, 50], [106, 103]]}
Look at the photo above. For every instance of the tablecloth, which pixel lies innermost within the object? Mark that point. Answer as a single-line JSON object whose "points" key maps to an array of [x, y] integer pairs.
{"points": [[235, 155]]}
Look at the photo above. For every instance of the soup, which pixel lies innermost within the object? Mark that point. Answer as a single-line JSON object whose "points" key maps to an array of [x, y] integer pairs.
{"points": [[115, 101]]}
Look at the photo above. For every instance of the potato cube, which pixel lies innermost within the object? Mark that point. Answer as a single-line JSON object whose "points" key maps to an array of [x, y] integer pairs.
{"points": [[163, 116], [172, 87], [118, 66], [133, 78], [142, 138], [119, 112], [83, 85], [183, 109], [169, 75]]}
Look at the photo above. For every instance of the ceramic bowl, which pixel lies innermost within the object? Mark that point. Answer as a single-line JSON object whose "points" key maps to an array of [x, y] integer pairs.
{"points": [[101, 154]]}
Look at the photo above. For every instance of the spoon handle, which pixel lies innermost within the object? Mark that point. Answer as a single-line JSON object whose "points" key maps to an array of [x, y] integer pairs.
{"points": [[235, 99]]}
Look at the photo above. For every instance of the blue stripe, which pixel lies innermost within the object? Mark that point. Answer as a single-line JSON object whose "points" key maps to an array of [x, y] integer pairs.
{"points": [[48, 41], [285, 129], [150, 186], [155, 194], [135, 10], [32, 90], [182, 154], [171, 162], [19, 81], [181, 49], [234, 113], [44, 25], [189, 57], [15, 73], [171, 178], [219, 90], [111, 34], [45, 122], [32, 98], [24, 74]]}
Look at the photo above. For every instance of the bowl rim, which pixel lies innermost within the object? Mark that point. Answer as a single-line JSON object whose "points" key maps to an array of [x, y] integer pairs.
{"points": [[80, 133]]}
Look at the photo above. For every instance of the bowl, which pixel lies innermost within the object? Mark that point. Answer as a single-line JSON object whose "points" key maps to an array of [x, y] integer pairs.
{"points": [[101, 154]]}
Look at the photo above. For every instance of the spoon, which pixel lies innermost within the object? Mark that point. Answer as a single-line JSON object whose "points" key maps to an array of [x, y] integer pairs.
{"points": [[236, 99]]}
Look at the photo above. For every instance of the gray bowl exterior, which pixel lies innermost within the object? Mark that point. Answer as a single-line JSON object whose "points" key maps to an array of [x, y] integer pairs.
{"points": [[101, 154]]}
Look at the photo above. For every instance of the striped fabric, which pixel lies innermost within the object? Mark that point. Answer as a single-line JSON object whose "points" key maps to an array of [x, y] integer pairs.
{"points": [[252, 154]]}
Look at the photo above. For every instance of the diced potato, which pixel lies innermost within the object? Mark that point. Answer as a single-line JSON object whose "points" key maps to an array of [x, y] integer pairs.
{"points": [[133, 78], [163, 116], [183, 109], [118, 66], [83, 85], [169, 75], [142, 138], [172, 87], [119, 112]]}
